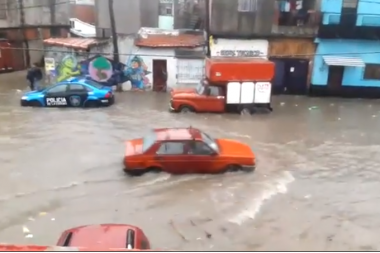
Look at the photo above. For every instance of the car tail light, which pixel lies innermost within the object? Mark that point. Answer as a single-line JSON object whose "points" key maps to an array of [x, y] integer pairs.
{"points": [[108, 95]]}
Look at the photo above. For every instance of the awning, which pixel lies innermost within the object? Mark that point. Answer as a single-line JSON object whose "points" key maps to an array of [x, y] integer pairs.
{"points": [[336, 60]]}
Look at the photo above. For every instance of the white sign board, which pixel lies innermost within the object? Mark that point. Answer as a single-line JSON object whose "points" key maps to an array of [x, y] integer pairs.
{"points": [[263, 92], [239, 48]]}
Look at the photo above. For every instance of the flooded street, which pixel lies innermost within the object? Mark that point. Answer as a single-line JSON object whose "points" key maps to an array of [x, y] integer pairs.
{"points": [[315, 188]]}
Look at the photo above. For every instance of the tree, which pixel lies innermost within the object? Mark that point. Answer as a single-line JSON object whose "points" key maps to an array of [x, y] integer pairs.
{"points": [[101, 64]]}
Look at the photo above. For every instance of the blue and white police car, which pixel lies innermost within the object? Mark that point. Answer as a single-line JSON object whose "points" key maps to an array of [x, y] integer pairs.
{"points": [[74, 92]]}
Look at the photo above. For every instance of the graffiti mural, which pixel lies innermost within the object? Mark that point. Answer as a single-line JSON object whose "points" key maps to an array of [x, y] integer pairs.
{"points": [[68, 67], [100, 69], [97, 68], [137, 72]]}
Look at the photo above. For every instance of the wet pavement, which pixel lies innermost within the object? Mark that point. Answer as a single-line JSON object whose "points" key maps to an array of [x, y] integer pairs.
{"points": [[316, 186]]}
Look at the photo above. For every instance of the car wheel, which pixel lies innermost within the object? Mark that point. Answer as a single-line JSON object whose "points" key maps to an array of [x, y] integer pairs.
{"points": [[91, 104], [35, 103], [154, 169], [233, 168], [186, 109], [140, 172]]}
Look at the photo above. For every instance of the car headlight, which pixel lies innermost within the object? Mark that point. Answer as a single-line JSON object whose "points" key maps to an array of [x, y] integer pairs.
{"points": [[24, 97]]}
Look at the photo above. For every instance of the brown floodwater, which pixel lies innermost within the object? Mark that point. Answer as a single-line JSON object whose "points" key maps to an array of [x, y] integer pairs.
{"points": [[315, 188]]}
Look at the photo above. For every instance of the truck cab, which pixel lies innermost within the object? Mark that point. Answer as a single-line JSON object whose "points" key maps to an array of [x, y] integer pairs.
{"points": [[231, 85]]}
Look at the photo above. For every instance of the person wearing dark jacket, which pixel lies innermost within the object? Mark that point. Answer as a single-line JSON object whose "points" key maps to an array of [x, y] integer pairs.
{"points": [[34, 76]]}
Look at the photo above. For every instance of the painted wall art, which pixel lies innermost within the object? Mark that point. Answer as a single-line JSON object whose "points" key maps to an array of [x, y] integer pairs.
{"points": [[137, 72], [97, 68]]}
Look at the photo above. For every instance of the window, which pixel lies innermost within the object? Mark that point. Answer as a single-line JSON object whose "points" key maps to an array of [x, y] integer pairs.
{"points": [[214, 91], [200, 88], [55, 32], [166, 8], [58, 89], [149, 140], [296, 13], [3, 9], [76, 87], [200, 148], [171, 148], [144, 244], [372, 72], [210, 142], [350, 3], [247, 5], [94, 84]]}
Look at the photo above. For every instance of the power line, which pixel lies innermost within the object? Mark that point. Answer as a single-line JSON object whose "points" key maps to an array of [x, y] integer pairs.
{"points": [[184, 56]]}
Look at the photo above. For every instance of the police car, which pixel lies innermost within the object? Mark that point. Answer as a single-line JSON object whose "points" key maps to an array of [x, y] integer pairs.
{"points": [[74, 92]]}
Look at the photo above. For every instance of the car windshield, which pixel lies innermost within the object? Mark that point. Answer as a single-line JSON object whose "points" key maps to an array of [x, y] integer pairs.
{"points": [[200, 88], [94, 84], [210, 141], [149, 140]]}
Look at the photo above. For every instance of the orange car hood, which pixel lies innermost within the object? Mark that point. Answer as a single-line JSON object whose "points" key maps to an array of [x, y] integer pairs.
{"points": [[234, 148], [134, 147]]}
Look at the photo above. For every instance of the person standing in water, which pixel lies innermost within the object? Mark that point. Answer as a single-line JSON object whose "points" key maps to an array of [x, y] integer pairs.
{"points": [[34, 77]]}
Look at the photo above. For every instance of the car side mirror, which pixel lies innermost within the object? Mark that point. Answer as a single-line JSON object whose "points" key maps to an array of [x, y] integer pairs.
{"points": [[214, 154]]}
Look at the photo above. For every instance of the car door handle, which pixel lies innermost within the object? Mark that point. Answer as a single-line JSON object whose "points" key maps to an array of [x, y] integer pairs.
{"points": [[158, 158]]}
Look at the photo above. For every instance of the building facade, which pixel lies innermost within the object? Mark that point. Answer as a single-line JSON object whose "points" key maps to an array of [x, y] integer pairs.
{"points": [[288, 26], [347, 59], [131, 15], [25, 23], [154, 60]]}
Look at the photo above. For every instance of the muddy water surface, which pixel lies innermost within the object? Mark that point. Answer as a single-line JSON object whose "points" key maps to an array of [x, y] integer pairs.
{"points": [[316, 186]]}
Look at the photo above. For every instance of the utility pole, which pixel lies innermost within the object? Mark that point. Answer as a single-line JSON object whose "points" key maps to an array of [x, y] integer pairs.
{"points": [[24, 35], [116, 57], [207, 28]]}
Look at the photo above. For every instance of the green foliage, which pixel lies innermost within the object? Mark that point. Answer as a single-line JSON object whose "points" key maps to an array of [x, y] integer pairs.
{"points": [[101, 63]]}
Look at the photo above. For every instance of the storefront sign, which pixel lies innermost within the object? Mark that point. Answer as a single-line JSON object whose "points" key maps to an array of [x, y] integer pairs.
{"points": [[239, 48], [241, 53]]}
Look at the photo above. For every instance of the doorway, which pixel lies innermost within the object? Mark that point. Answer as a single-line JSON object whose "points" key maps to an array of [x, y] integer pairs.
{"points": [[290, 76], [335, 78], [160, 75]]}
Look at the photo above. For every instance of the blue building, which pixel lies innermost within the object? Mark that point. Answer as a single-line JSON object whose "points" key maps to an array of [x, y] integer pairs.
{"points": [[347, 59]]}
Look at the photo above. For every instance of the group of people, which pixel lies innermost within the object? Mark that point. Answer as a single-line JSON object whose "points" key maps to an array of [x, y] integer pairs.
{"points": [[34, 77]]}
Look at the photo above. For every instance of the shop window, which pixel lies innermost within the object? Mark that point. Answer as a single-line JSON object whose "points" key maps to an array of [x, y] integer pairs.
{"points": [[350, 3], [372, 72]]}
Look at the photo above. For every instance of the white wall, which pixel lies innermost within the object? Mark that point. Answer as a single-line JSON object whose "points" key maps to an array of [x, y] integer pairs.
{"points": [[239, 48], [128, 50], [150, 54]]}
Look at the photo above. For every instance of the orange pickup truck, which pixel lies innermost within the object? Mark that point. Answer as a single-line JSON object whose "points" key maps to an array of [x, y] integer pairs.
{"points": [[231, 84]]}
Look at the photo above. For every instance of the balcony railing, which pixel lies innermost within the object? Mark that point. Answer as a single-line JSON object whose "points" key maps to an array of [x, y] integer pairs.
{"points": [[296, 23]]}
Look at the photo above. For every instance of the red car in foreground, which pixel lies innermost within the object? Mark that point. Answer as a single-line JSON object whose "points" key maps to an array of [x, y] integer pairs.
{"points": [[105, 236]]}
